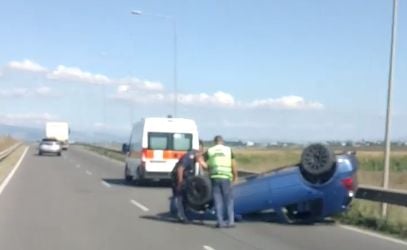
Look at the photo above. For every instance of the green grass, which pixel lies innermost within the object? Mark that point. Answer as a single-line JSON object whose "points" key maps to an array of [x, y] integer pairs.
{"points": [[374, 162], [106, 152], [366, 214]]}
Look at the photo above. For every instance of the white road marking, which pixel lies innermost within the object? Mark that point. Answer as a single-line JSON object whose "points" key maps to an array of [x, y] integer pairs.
{"points": [[88, 172], [373, 234], [106, 184], [10, 175], [139, 205], [208, 247], [78, 165]]}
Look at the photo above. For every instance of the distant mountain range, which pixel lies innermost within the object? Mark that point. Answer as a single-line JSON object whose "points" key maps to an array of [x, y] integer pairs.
{"points": [[35, 134]]}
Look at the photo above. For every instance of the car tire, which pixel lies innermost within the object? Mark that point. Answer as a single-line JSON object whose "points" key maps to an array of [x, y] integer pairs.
{"points": [[39, 153], [318, 163], [59, 153], [198, 192], [127, 177]]}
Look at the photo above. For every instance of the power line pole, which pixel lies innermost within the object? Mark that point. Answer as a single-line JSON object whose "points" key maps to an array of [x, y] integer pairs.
{"points": [[388, 113]]}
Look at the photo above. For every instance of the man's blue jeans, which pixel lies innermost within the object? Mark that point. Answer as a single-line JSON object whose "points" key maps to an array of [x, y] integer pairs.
{"points": [[223, 198]]}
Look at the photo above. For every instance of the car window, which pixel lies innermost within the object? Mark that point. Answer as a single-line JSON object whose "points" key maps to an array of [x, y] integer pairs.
{"points": [[182, 142], [49, 140], [158, 141]]}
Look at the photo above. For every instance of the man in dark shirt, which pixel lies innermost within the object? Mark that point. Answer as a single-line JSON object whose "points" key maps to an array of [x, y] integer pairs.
{"points": [[183, 168]]}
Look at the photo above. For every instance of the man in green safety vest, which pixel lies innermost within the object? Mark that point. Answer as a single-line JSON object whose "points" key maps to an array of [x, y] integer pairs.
{"points": [[222, 171]]}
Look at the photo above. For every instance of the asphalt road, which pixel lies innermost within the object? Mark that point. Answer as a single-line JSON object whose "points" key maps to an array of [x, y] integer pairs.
{"points": [[79, 201]]}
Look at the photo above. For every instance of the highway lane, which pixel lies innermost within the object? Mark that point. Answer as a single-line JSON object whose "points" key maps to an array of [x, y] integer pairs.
{"points": [[79, 201]]}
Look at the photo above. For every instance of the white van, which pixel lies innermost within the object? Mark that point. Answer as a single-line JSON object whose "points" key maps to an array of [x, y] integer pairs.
{"points": [[156, 144]]}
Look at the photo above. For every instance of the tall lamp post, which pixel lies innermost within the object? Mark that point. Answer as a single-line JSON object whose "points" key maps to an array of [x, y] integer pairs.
{"points": [[388, 113], [174, 24]]}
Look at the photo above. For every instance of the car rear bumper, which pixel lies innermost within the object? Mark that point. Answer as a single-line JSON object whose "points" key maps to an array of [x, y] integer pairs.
{"points": [[50, 150], [156, 175]]}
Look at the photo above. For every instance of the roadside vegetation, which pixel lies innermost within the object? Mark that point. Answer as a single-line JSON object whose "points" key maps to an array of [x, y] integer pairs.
{"points": [[6, 142], [7, 164]]}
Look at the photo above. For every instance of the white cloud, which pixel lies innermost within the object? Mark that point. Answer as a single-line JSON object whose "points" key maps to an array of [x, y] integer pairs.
{"points": [[76, 74], [219, 98], [15, 93], [286, 102], [134, 84], [25, 92], [27, 118], [26, 65], [43, 91]]}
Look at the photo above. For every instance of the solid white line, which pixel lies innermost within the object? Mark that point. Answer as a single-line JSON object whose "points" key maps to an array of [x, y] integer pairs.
{"points": [[376, 235], [88, 172], [139, 205], [10, 175], [106, 184], [208, 247]]}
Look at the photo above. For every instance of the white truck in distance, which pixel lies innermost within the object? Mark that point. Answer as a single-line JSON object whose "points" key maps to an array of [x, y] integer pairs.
{"points": [[59, 131]]}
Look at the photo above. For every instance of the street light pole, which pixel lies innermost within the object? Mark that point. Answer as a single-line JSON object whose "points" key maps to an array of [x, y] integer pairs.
{"points": [[388, 113], [175, 51]]}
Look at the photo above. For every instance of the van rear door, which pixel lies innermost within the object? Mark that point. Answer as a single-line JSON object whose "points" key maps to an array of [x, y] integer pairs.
{"points": [[164, 150]]}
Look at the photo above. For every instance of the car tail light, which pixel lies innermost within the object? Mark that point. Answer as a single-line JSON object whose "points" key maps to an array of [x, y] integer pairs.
{"points": [[147, 154], [348, 184]]}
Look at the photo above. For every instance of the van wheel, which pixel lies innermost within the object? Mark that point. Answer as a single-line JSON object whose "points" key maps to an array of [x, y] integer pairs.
{"points": [[127, 177]]}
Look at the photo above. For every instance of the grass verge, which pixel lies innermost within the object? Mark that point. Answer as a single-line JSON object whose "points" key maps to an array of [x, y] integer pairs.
{"points": [[8, 163], [6, 142]]}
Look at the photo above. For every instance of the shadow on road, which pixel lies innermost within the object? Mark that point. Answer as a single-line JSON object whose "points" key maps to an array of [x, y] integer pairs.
{"points": [[148, 184], [247, 219], [168, 218]]}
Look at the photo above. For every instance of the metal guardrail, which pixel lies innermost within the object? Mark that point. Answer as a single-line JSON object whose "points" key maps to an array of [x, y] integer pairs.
{"points": [[371, 193], [8, 151], [390, 196]]}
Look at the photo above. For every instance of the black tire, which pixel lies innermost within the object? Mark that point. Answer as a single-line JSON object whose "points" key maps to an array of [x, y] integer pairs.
{"points": [[59, 153], [39, 153], [317, 163], [198, 192], [127, 178]]}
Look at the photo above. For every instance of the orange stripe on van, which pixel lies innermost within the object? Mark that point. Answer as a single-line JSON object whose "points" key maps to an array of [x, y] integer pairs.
{"points": [[172, 154], [167, 154], [147, 154]]}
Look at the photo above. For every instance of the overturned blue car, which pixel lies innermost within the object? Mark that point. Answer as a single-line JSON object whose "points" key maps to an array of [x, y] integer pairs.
{"points": [[321, 185]]}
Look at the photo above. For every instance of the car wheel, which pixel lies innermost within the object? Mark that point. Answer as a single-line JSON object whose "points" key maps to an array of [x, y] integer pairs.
{"points": [[317, 163], [39, 153], [59, 153], [127, 177], [198, 192]]}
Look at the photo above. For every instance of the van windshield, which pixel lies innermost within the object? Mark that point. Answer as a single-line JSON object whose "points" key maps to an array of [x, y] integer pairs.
{"points": [[170, 141]]}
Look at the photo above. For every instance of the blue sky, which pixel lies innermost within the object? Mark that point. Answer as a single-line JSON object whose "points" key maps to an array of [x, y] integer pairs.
{"points": [[277, 70]]}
